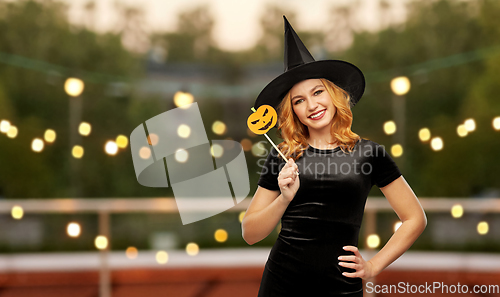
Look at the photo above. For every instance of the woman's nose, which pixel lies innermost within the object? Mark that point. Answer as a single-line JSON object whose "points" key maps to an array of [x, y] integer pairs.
{"points": [[312, 104]]}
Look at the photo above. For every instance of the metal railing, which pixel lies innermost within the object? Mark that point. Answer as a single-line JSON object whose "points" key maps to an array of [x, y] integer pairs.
{"points": [[106, 206]]}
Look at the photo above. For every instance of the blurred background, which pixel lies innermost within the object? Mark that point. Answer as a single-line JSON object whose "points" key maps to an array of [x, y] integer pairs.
{"points": [[76, 77]]}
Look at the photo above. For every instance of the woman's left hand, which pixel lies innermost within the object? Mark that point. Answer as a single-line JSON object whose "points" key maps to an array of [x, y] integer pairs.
{"points": [[364, 269]]}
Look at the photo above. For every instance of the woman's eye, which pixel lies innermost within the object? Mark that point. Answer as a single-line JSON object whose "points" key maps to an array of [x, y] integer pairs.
{"points": [[298, 101], [318, 92]]}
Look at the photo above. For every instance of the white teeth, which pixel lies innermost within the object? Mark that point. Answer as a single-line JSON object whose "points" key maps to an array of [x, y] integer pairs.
{"points": [[317, 115]]}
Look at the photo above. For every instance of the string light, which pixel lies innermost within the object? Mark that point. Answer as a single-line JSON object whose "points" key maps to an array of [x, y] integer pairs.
{"points": [[496, 123], [246, 144], [470, 125], [4, 126], [397, 150], [183, 100], [373, 241], [161, 257], [121, 141], [389, 127], [219, 127], [462, 131], [400, 85], [397, 225], [192, 249], [77, 152], [84, 128], [241, 215], [437, 143], [217, 150], [220, 235], [12, 133], [73, 229], [181, 155], [183, 131], [37, 145], [131, 252], [153, 139], [144, 152], [111, 148], [424, 134], [49, 135], [482, 228], [457, 211], [101, 242], [17, 212], [74, 86]]}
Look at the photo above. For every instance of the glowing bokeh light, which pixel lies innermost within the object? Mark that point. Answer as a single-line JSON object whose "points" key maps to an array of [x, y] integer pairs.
{"points": [[77, 152], [111, 148], [73, 229], [145, 152], [389, 127], [153, 139], [470, 125], [437, 143], [220, 235], [400, 85], [397, 225], [496, 123], [84, 128], [183, 100], [246, 144], [373, 241], [217, 150], [17, 212], [74, 86], [181, 155], [12, 133], [121, 141], [462, 131], [396, 150], [483, 228], [219, 127], [49, 135], [192, 249], [37, 145], [161, 257], [424, 134], [4, 126], [131, 252], [241, 215], [101, 242], [457, 211], [183, 131]]}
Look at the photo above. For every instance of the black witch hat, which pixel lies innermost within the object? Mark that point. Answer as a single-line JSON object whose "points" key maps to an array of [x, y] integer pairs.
{"points": [[300, 65]]}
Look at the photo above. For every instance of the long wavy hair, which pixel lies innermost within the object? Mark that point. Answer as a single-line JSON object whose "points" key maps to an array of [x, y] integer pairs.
{"points": [[295, 134]]}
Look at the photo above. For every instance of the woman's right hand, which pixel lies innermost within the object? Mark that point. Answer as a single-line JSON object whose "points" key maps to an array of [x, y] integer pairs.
{"points": [[288, 180]]}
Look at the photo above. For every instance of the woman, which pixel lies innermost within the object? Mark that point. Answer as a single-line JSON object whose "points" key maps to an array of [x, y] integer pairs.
{"points": [[321, 208]]}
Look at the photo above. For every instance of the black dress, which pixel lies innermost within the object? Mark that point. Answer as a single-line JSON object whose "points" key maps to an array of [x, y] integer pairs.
{"points": [[324, 216]]}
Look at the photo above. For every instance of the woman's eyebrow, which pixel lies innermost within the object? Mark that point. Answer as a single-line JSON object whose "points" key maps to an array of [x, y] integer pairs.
{"points": [[312, 90]]}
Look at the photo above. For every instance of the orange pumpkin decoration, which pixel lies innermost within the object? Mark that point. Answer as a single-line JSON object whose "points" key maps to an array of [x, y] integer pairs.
{"points": [[262, 120]]}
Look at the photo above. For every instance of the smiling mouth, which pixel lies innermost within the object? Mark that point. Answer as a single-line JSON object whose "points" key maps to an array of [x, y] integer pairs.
{"points": [[267, 125], [317, 114]]}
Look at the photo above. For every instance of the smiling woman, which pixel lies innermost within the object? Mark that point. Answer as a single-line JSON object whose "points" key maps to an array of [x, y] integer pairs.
{"points": [[321, 209]]}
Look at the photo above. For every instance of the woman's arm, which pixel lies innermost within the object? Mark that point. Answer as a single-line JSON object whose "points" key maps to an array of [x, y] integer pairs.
{"points": [[406, 205], [263, 214], [267, 207]]}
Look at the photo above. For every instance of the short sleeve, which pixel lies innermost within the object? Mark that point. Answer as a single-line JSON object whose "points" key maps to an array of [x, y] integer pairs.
{"points": [[385, 169], [270, 170]]}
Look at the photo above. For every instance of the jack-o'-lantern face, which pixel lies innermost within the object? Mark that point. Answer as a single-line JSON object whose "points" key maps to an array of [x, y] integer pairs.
{"points": [[262, 120]]}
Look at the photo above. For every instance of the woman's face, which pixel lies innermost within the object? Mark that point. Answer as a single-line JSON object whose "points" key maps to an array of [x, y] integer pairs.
{"points": [[312, 104]]}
